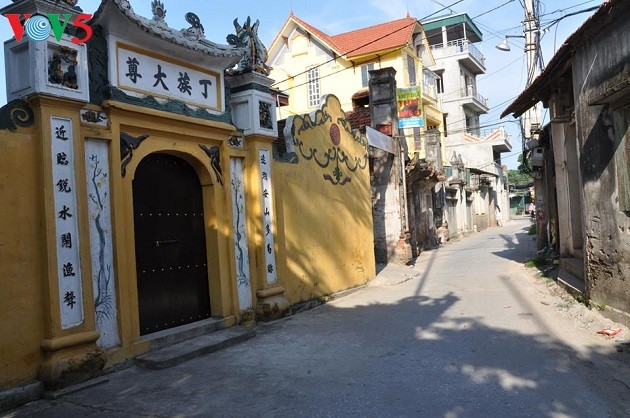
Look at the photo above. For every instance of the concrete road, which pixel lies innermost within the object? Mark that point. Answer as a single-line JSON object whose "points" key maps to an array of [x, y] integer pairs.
{"points": [[467, 331]]}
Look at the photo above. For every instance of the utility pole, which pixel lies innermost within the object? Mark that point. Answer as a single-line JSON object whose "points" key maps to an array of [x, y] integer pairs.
{"points": [[532, 119], [532, 37]]}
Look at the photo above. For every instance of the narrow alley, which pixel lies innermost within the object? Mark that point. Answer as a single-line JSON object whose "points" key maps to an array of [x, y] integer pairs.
{"points": [[466, 331]]}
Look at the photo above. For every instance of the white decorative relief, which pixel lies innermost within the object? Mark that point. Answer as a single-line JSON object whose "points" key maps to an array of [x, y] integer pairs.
{"points": [[101, 244], [241, 252]]}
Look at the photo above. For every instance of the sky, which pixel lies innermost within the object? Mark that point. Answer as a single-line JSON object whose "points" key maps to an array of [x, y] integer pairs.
{"points": [[505, 75]]}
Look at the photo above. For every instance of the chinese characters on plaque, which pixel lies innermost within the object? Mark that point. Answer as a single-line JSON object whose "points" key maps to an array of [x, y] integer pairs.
{"points": [[156, 76], [267, 201], [66, 224]]}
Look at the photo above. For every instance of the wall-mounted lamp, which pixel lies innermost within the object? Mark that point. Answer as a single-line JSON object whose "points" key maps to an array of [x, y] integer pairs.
{"points": [[504, 45]]}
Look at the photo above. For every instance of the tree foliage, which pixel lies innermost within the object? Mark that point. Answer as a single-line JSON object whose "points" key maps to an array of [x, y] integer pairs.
{"points": [[519, 177]]}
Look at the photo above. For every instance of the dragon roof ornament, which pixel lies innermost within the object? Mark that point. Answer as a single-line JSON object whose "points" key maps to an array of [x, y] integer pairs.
{"points": [[195, 31], [255, 55]]}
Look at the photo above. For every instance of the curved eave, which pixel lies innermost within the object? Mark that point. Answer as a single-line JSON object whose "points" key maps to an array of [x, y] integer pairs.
{"points": [[231, 54]]}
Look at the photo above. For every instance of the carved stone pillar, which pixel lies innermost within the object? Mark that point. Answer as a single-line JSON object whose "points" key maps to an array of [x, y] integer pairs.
{"points": [[393, 215], [254, 112]]}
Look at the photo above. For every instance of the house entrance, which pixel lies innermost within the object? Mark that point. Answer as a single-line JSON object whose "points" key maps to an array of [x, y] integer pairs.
{"points": [[171, 259]]}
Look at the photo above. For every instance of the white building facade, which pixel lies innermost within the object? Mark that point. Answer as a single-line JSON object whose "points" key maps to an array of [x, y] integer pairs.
{"points": [[476, 181]]}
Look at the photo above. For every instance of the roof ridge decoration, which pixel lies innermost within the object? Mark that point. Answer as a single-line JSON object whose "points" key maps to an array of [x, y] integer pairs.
{"points": [[246, 38], [195, 31], [159, 29], [159, 12]]}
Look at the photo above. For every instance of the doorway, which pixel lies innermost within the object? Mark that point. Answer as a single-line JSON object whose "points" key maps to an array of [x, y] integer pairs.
{"points": [[170, 244]]}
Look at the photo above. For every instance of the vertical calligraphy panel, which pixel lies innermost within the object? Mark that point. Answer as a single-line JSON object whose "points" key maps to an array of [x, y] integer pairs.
{"points": [[267, 206], [66, 224], [241, 252], [101, 247]]}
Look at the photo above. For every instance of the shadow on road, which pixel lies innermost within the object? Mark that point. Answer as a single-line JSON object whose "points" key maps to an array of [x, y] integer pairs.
{"points": [[519, 247], [423, 355], [418, 357]]}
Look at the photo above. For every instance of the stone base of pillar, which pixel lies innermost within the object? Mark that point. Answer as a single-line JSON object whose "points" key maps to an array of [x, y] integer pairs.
{"points": [[248, 318], [59, 372], [70, 360], [271, 304]]}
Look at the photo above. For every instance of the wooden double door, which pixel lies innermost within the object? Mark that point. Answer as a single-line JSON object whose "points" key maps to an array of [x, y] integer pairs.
{"points": [[170, 244]]}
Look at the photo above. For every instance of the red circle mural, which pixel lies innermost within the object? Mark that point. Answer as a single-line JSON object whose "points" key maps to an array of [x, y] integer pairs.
{"points": [[335, 134]]}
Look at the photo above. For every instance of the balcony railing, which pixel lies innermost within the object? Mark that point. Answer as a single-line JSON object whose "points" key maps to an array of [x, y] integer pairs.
{"points": [[470, 91], [429, 83], [461, 45]]}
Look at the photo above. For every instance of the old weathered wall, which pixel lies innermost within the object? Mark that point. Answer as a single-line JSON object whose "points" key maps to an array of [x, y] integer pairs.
{"points": [[599, 65], [22, 260], [386, 204], [323, 206]]}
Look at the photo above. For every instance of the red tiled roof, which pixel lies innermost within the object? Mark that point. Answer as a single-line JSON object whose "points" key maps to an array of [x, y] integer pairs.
{"points": [[385, 36], [361, 94], [321, 35], [381, 37], [359, 118]]}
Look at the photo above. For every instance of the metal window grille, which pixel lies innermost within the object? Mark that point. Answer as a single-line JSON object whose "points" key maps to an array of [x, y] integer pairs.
{"points": [[313, 87], [411, 68]]}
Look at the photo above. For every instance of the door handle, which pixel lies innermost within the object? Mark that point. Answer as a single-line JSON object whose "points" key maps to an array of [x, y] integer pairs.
{"points": [[157, 243]]}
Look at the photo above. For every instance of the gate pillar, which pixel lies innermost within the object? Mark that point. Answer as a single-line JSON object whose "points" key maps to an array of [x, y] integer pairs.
{"points": [[254, 112], [69, 345], [51, 75]]}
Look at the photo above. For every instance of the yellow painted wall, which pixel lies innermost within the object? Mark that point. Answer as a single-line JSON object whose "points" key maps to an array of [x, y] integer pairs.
{"points": [[31, 338], [325, 231], [342, 78], [22, 255]]}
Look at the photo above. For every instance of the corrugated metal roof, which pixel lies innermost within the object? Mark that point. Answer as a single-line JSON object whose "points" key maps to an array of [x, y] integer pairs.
{"points": [[454, 20]]}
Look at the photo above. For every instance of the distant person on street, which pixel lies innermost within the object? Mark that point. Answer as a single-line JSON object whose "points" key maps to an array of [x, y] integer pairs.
{"points": [[531, 209], [498, 216]]}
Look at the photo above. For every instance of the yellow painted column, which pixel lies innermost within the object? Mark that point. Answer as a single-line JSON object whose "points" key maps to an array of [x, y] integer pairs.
{"points": [[271, 302], [70, 352]]}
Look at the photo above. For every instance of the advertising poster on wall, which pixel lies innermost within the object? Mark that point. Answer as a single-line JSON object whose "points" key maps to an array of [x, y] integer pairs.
{"points": [[409, 102]]}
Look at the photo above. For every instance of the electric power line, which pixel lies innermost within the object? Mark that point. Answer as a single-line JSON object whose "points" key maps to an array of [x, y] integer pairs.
{"points": [[566, 8], [378, 39], [359, 47]]}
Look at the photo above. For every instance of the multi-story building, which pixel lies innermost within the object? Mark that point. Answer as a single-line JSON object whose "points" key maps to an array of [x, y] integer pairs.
{"points": [[476, 183], [308, 63]]}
